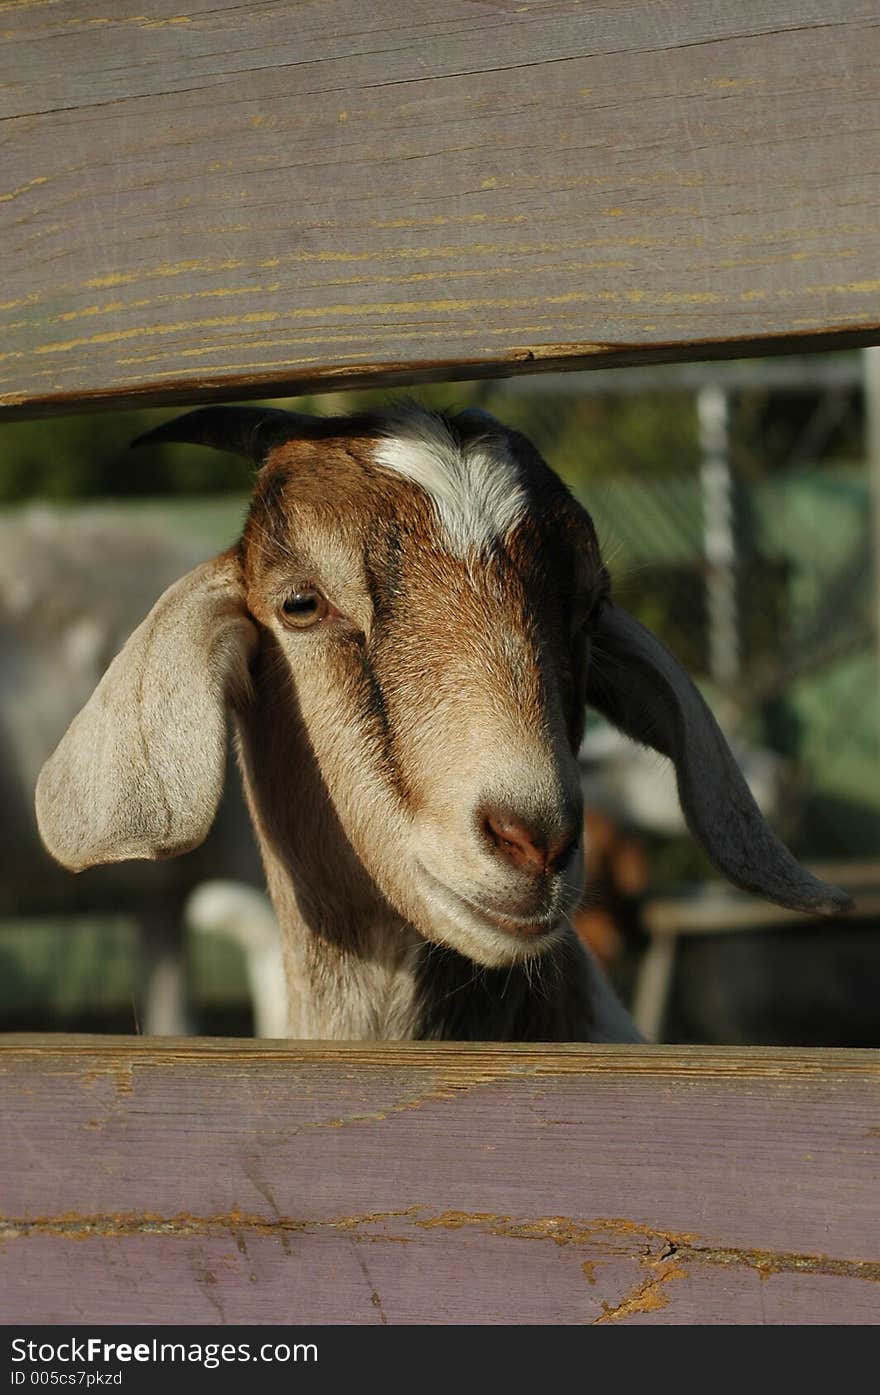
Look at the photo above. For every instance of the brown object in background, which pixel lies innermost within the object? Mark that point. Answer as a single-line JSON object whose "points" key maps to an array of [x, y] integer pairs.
{"points": [[616, 879]]}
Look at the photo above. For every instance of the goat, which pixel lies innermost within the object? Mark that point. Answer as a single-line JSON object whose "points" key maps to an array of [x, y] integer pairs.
{"points": [[407, 634]]}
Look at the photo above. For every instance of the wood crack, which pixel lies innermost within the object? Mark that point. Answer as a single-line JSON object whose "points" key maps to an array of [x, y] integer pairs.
{"points": [[666, 1255], [648, 1296], [231, 77]]}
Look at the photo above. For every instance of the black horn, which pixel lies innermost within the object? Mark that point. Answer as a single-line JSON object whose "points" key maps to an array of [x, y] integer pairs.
{"points": [[247, 431]]}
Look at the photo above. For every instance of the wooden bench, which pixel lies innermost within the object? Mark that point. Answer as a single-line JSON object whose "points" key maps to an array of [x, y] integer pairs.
{"points": [[233, 201], [715, 908]]}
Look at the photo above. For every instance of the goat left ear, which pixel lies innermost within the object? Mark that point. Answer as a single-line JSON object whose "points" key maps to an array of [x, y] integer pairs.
{"points": [[139, 772], [638, 685]]}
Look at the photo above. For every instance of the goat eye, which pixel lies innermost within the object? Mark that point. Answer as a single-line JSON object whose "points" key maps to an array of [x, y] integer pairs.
{"points": [[304, 608]]}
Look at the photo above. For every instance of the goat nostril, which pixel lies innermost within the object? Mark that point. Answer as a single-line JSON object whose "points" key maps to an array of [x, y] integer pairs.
{"points": [[560, 850], [523, 845]]}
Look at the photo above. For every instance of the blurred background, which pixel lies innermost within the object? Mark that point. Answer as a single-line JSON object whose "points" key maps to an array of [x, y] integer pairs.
{"points": [[738, 505]]}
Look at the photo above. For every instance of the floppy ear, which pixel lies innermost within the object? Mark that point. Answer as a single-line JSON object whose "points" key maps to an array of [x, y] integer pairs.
{"points": [[139, 772], [638, 685]]}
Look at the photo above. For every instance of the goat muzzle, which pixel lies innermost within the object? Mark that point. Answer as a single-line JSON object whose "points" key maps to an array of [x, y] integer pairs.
{"points": [[523, 844]]}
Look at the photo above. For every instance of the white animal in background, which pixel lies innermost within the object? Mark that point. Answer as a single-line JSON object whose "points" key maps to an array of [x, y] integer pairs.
{"points": [[73, 584], [244, 915]]}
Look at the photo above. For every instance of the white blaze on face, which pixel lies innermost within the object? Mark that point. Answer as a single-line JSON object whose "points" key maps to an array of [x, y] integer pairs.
{"points": [[475, 487]]}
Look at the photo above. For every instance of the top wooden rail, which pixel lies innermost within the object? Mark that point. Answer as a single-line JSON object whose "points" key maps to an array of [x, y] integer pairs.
{"points": [[233, 199]]}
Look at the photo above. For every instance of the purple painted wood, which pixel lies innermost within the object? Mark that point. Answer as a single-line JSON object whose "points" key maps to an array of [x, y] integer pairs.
{"points": [[252, 199], [233, 1182]]}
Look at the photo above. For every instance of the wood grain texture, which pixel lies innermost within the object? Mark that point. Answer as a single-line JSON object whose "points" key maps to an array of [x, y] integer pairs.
{"points": [[254, 199], [197, 1181]]}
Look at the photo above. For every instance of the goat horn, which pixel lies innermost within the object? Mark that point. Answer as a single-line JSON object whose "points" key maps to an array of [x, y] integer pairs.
{"points": [[247, 431]]}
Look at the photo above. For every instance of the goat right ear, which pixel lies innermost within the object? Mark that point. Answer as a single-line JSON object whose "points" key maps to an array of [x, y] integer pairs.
{"points": [[140, 770], [644, 691]]}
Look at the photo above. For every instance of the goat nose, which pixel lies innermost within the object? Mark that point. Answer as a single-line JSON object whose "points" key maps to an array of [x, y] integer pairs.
{"points": [[526, 847]]}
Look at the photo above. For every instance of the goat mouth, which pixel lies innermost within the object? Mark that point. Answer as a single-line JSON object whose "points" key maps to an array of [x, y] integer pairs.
{"points": [[530, 929], [527, 929]]}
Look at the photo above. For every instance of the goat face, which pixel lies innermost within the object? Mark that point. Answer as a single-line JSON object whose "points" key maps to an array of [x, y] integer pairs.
{"points": [[410, 626], [427, 588]]}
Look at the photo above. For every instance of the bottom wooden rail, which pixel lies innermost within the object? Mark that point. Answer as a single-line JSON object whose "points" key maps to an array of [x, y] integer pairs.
{"points": [[191, 1181]]}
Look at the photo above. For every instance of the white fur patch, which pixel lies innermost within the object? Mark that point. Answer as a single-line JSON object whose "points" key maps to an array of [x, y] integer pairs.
{"points": [[475, 488]]}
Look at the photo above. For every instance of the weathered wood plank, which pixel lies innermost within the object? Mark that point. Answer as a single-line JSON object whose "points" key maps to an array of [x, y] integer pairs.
{"points": [[206, 1182], [259, 199]]}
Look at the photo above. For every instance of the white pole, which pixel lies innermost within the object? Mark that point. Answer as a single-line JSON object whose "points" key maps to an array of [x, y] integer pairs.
{"points": [[871, 382], [719, 537]]}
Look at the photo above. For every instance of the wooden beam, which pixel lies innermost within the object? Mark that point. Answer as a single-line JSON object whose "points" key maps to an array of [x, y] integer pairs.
{"points": [[250, 200], [197, 1181]]}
